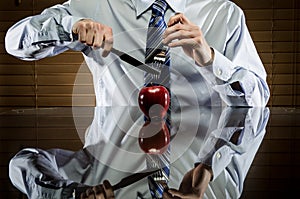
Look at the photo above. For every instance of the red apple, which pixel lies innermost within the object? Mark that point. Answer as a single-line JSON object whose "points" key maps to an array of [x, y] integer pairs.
{"points": [[154, 137], [154, 101]]}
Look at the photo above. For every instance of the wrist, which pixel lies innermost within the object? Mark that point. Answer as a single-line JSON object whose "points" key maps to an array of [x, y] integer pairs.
{"points": [[208, 60], [205, 167]]}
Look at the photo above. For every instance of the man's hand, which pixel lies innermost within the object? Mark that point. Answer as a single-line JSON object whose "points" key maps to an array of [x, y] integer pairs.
{"points": [[193, 185], [94, 34], [102, 191], [182, 32]]}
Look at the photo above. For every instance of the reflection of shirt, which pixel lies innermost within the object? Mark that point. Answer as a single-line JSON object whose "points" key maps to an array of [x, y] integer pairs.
{"points": [[117, 83], [111, 152]]}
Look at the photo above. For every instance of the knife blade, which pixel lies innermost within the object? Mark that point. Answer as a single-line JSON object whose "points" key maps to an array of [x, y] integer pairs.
{"points": [[132, 179], [131, 60], [134, 62]]}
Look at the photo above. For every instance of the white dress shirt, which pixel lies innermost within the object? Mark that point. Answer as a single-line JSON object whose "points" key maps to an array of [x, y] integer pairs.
{"points": [[117, 83]]}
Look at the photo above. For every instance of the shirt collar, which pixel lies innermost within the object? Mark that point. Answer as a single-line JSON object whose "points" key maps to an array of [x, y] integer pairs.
{"points": [[142, 5]]}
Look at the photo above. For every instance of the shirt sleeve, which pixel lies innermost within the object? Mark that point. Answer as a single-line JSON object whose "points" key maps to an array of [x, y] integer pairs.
{"points": [[43, 35], [224, 155], [238, 63], [36, 173]]}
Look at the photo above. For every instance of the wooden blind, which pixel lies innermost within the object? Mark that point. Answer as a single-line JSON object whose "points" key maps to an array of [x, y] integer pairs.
{"points": [[44, 83], [273, 24]]}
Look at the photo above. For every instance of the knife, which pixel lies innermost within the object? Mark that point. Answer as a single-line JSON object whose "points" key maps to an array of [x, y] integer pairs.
{"points": [[134, 62], [132, 179], [121, 184], [130, 60]]}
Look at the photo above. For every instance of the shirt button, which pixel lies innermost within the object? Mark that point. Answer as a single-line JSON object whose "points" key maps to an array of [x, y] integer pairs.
{"points": [[219, 71], [219, 155]]}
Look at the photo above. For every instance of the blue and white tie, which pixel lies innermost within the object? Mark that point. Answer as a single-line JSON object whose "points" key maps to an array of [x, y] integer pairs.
{"points": [[155, 47], [154, 50]]}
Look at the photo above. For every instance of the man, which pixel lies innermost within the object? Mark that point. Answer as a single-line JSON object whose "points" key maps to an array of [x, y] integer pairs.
{"points": [[213, 59]]}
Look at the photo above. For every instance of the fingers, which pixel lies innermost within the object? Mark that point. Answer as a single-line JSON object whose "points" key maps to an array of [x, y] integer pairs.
{"points": [[88, 194], [168, 195], [181, 32], [178, 18], [176, 193], [108, 190], [108, 42], [94, 34], [99, 192], [103, 191]]}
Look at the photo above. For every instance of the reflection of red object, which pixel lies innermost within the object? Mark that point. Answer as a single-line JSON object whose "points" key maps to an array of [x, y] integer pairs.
{"points": [[154, 137], [154, 101]]}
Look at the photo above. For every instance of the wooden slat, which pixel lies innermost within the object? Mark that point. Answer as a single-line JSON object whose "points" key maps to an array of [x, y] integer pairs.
{"points": [[260, 25], [5, 25], [285, 68], [254, 4], [64, 58], [64, 79], [43, 69], [285, 100], [262, 14], [22, 80], [277, 47], [15, 133], [65, 101], [283, 79], [291, 35], [285, 25], [286, 57], [65, 90], [40, 5], [275, 36], [26, 5], [284, 89], [26, 70], [266, 4], [17, 101], [17, 90], [279, 4], [14, 15], [9, 59], [73, 145]]}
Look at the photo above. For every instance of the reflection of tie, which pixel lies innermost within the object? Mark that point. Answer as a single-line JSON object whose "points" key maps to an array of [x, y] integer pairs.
{"points": [[159, 180], [158, 56]]}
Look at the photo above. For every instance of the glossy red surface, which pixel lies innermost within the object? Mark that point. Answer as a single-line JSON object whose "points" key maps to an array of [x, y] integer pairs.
{"points": [[154, 137], [154, 101]]}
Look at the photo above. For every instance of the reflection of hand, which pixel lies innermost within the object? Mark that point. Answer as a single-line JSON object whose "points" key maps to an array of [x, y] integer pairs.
{"points": [[102, 191], [94, 34], [182, 32], [193, 185]]}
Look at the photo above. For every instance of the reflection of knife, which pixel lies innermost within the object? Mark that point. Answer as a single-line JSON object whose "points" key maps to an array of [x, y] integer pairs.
{"points": [[134, 62], [123, 183], [132, 179]]}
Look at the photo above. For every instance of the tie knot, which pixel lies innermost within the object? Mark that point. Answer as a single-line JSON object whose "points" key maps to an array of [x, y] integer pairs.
{"points": [[159, 7]]}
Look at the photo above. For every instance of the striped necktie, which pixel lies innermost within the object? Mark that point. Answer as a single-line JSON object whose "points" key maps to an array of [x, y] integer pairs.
{"points": [[158, 56]]}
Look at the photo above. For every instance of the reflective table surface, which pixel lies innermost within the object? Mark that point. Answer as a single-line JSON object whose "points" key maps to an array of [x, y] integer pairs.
{"points": [[61, 152]]}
